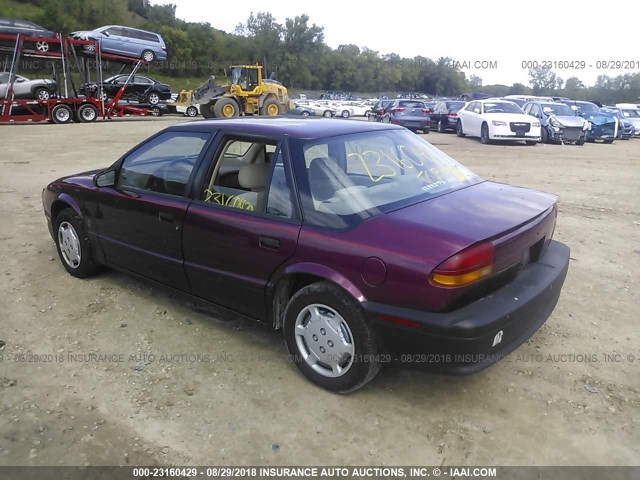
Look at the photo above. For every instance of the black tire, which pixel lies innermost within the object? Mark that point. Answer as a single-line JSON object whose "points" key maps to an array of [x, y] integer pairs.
{"points": [[530, 142], [226, 108], [440, 127], [207, 110], [484, 134], [191, 111], [580, 142], [327, 114], [68, 222], [148, 56], [426, 131], [41, 93], [363, 365], [87, 113], [156, 111], [304, 113], [61, 113], [544, 135], [591, 140], [608, 141], [345, 114], [270, 107], [459, 130], [153, 98]]}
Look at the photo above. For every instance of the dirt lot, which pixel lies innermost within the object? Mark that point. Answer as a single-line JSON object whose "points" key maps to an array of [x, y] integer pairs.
{"points": [[569, 396]]}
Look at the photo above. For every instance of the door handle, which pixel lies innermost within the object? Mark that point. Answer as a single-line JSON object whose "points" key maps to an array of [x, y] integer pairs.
{"points": [[269, 243], [165, 217]]}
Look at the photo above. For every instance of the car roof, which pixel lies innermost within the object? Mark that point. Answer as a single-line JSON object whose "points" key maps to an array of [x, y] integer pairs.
{"points": [[301, 128]]}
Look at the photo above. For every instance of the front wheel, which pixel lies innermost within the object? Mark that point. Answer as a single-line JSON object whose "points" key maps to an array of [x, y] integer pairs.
{"points": [[191, 111], [484, 134], [530, 142], [148, 56], [345, 114], [42, 94], [327, 113], [226, 108], [459, 130], [329, 338], [72, 243]]}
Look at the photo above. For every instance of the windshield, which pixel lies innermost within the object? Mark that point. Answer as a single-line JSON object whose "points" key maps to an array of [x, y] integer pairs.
{"points": [[587, 107], [455, 106], [353, 177], [559, 109], [501, 107], [631, 113]]}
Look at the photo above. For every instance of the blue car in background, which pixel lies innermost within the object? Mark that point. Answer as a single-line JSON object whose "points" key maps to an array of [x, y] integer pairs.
{"points": [[626, 130], [125, 41], [602, 125]]}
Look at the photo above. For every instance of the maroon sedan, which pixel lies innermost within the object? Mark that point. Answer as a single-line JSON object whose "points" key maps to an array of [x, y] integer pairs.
{"points": [[362, 241]]}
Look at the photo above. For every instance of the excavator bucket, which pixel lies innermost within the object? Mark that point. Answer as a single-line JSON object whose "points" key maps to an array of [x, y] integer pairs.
{"points": [[208, 91]]}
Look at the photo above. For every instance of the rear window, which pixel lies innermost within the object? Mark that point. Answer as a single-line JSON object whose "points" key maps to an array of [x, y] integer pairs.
{"points": [[353, 177], [454, 106], [411, 104]]}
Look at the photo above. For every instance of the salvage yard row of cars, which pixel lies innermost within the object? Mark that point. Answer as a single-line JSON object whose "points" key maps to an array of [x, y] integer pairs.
{"points": [[514, 118]]}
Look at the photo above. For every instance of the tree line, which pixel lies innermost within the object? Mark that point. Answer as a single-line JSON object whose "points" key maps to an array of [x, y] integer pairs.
{"points": [[296, 53]]}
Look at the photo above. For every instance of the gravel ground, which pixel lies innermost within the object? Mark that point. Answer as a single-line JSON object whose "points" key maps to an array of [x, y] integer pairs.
{"points": [[569, 396]]}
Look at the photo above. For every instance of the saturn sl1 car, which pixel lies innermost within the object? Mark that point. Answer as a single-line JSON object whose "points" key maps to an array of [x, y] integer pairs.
{"points": [[497, 120], [364, 243]]}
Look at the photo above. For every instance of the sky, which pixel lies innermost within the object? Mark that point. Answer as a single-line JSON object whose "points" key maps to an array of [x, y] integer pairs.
{"points": [[490, 39]]}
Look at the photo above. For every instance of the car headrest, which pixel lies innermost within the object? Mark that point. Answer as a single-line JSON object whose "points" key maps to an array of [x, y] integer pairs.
{"points": [[253, 176], [325, 179]]}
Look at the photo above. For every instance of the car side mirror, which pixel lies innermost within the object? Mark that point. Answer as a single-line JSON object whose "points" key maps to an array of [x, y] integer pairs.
{"points": [[106, 33], [105, 179], [20, 80]]}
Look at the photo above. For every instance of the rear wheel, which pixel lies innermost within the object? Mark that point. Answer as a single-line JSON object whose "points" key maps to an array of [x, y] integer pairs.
{"points": [[459, 130], [305, 113], [345, 114], [42, 46], [327, 113], [329, 338], [61, 114], [270, 107], [191, 111], [87, 113], [484, 134], [226, 108], [580, 142], [440, 126], [72, 243], [530, 142], [153, 98], [608, 141]]}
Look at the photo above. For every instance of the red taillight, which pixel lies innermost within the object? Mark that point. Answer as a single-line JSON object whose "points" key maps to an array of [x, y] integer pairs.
{"points": [[468, 266], [381, 111], [398, 109], [451, 114], [426, 110]]}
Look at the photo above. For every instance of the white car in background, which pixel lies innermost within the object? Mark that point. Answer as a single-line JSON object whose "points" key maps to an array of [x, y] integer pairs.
{"points": [[497, 120], [320, 109], [358, 109], [631, 113]]}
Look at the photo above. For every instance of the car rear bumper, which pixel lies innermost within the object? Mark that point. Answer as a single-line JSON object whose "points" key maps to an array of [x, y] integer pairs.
{"points": [[471, 338], [418, 123]]}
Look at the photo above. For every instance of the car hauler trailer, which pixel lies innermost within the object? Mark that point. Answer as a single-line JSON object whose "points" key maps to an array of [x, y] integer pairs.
{"points": [[68, 105]]}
